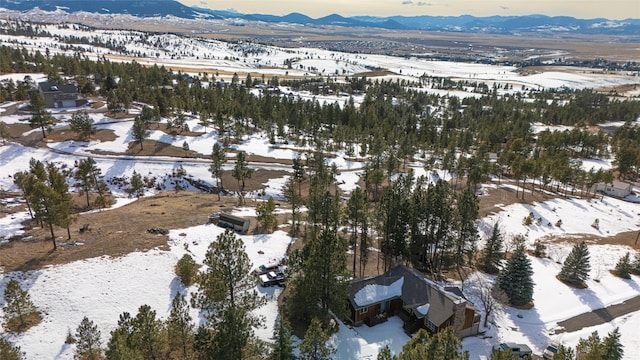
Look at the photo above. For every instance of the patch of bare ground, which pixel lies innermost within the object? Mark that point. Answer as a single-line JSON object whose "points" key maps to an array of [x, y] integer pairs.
{"points": [[120, 231], [14, 207], [627, 238], [496, 198]]}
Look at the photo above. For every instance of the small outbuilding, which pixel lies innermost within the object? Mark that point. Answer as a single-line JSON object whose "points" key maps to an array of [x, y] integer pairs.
{"points": [[236, 223], [617, 188]]}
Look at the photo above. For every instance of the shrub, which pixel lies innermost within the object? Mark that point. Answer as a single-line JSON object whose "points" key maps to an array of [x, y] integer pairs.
{"points": [[559, 223], [187, 269], [539, 249], [635, 266], [596, 224], [528, 220], [623, 267]]}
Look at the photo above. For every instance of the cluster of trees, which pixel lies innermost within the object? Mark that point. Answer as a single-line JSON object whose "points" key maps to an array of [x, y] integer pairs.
{"points": [[391, 119], [47, 193], [591, 348], [442, 345]]}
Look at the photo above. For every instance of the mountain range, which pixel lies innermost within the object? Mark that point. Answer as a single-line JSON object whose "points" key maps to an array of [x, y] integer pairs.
{"points": [[466, 23]]}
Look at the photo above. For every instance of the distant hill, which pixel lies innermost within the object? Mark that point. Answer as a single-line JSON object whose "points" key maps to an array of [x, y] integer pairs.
{"points": [[141, 8], [541, 24]]}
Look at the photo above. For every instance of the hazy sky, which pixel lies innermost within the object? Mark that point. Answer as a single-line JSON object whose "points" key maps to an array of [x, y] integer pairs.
{"points": [[584, 9]]}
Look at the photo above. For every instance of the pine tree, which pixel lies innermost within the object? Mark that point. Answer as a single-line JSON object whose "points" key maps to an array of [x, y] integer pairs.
{"points": [[356, 215], [564, 353], [492, 253], [576, 266], [443, 345], [612, 349], [147, 333], [290, 194], [9, 352], [283, 346], [82, 124], [218, 158], [241, 171], [504, 355], [298, 173], [266, 215], [226, 293], [137, 186], [18, 303], [89, 178], [623, 266], [88, 343], [385, 354], [322, 280], [40, 117], [635, 266], [590, 348], [516, 279], [139, 130], [314, 345], [179, 326]]}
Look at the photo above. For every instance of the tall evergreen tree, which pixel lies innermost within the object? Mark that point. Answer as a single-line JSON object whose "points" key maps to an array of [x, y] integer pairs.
{"points": [[623, 267], [283, 346], [40, 117], [321, 285], [121, 345], [147, 333], [88, 345], [139, 130], [356, 215], [577, 265], [227, 295], [611, 346], [265, 214], [218, 158], [137, 186], [314, 345], [492, 253], [180, 327], [241, 170], [88, 178], [290, 194], [516, 279]]}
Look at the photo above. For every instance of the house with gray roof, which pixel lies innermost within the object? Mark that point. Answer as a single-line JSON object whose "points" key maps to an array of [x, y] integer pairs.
{"points": [[420, 302], [59, 96]]}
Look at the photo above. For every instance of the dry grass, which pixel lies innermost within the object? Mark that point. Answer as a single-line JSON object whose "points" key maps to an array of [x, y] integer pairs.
{"points": [[29, 321]]}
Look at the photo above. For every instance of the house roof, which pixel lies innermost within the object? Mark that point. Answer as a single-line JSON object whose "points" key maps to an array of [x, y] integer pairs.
{"points": [[233, 219], [419, 295], [53, 87]]}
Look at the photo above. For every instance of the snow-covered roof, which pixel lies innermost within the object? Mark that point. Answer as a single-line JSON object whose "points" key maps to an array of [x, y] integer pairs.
{"points": [[423, 309], [375, 293]]}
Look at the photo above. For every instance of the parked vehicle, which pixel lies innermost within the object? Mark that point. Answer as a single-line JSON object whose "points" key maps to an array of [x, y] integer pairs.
{"points": [[271, 278], [551, 350], [265, 268], [522, 351]]}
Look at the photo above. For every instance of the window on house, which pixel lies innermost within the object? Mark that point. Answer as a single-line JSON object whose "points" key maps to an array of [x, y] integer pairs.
{"points": [[431, 326], [364, 310]]}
